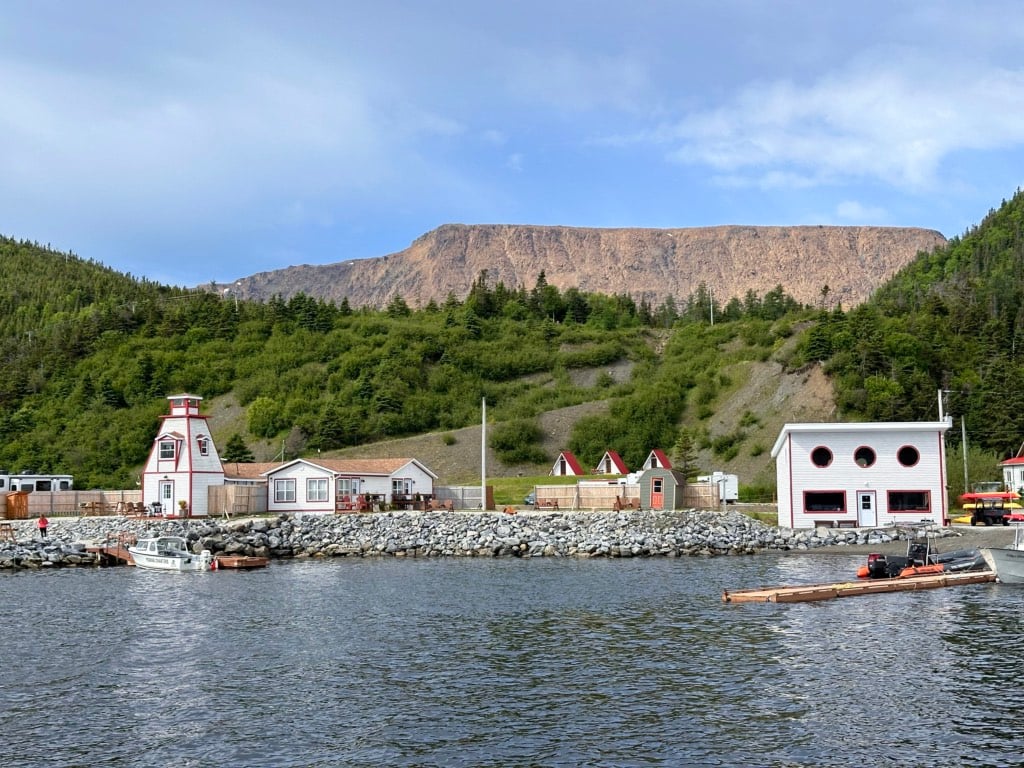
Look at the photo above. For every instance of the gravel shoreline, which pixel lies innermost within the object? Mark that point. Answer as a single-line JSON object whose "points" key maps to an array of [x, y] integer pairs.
{"points": [[675, 533]]}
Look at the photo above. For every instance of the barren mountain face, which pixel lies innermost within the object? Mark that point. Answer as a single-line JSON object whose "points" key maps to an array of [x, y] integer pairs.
{"points": [[650, 264]]}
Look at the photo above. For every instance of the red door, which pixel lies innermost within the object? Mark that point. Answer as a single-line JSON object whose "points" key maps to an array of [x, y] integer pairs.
{"points": [[657, 493]]}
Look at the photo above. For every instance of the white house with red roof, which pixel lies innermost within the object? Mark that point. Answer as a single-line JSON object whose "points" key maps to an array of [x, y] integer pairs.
{"points": [[1013, 474], [338, 485], [611, 464], [657, 459], [566, 465], [183, 462], [861, 474]]}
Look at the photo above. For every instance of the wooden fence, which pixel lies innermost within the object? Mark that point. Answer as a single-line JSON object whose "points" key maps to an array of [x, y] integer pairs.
{"points": [[603, 496], [231, 500], [21, 506]]}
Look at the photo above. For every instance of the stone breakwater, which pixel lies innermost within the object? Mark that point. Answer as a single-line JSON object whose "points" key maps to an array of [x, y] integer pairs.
{"points": [[437, 534]]}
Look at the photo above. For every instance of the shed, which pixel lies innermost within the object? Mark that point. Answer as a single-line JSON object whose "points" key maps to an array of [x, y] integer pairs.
{"points": [[662, 488]]}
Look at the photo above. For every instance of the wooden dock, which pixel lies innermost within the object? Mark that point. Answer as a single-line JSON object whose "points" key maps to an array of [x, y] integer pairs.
{"points": [[807, 593], [114, 552]]}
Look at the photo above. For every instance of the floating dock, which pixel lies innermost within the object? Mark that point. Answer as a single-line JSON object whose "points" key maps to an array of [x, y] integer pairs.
{"points": [[807, 593], [241, 562]]}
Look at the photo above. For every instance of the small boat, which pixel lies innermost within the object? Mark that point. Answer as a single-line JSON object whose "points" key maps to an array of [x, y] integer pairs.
{"points": [[169, 553], [1007, 563], [920, 560]]}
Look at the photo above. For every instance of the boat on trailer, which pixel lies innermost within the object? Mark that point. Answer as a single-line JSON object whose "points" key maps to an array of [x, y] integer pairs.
{"points": [[169, 553]]}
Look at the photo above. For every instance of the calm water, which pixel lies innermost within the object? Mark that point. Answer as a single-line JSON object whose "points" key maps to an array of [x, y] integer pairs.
{"points": [[503, 663]]}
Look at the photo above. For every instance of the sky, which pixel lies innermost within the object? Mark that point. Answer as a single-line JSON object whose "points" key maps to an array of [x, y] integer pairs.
{"points": [[191, 142]]}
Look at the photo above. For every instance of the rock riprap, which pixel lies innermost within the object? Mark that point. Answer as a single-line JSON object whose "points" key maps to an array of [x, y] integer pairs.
{"points": [[675, 533]]}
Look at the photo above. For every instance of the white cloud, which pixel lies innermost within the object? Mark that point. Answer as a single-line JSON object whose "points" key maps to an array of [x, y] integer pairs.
{"points": [[895, 122], [855, 212]]}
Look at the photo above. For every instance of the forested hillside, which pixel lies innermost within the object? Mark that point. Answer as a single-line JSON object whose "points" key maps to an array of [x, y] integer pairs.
{"points": [[90, 356], [953, 320]]}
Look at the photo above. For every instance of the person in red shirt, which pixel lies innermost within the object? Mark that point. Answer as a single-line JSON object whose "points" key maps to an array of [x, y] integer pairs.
{"points": [[42, 522]]}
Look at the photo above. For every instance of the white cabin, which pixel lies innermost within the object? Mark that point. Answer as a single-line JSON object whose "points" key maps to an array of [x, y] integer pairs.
{"points": [[183, 462], [861, 474], [337, 485]]}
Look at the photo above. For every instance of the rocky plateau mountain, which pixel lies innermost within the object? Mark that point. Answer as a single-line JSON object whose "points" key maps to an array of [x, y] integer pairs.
{"points": [[650, 264]]}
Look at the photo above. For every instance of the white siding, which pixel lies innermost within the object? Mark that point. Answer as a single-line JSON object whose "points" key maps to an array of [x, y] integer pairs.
{"points": [[300, 472], [797, 474]]}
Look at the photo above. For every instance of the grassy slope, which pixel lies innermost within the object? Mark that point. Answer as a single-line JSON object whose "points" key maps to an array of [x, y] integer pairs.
{"points": [[773, 396]]}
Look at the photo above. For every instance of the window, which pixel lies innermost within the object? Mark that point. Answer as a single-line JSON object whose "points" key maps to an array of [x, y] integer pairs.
{"points": [[400, 486], [284, 490], [347, 486], [316, 489], [824, 501], [43, 485], [908, 455], [821, 456], [166, 449], [910, 501], [864, 456], [204, 445]]}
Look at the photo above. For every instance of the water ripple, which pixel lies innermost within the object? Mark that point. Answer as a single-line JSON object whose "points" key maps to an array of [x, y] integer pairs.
{"points": [[504, 663]]}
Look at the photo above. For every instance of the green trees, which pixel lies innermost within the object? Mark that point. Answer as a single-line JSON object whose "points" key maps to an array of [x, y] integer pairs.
{"points": [[87, 357], [236, 451]]}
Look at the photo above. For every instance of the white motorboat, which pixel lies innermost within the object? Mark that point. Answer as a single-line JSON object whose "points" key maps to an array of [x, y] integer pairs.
{"points": [[1007, 563], [169, 553]]}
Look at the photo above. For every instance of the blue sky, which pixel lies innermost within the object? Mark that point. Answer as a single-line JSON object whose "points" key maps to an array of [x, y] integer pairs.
{"points": [[195, 141]]}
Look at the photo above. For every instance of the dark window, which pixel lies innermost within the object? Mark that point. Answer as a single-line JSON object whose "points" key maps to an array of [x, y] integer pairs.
{"points": [[821, 456], [43, 485], [864, 456], [908, 455], [824, 501], [910, 501]]}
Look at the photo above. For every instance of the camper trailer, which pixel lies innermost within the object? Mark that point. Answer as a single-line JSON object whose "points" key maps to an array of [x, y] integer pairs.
{"points": [[28, 482]]}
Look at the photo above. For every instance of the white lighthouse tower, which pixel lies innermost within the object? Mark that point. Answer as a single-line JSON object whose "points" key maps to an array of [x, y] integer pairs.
{"points": [[183, 462]]}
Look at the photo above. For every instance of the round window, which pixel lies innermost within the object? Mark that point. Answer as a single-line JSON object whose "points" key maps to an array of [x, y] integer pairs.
{"points": [[864, 456], [821, 456], [908, 455]]}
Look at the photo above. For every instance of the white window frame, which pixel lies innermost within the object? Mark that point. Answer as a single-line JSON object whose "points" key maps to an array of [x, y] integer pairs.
{"points": [[347, 486], [316, 489], [284, 490], [167, 450]]}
